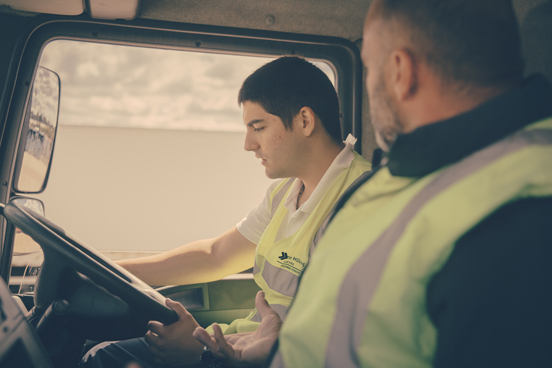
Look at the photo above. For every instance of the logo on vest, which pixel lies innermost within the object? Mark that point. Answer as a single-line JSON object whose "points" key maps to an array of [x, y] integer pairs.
{"points": [[293, 264], [283, 256]]}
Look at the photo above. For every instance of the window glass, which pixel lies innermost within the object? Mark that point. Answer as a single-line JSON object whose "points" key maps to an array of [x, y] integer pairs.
{"points": [[26, 262], [27, 256], [149, 151], [137, 87]]}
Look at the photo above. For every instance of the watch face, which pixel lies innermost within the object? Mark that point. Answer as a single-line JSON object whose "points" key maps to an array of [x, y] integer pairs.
{"points": [[209, 361]]}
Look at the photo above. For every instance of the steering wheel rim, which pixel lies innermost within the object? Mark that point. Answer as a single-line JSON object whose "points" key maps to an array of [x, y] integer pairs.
{"points": [[76, 255]]}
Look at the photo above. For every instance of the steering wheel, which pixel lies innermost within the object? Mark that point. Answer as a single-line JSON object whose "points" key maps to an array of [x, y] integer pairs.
{"points": [[101, 294]]}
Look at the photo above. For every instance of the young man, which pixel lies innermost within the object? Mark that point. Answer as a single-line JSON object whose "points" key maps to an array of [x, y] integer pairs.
{"points": [[441, 258], [291, 112]]}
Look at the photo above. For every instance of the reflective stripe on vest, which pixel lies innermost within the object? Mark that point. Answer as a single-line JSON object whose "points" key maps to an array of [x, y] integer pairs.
{"points": [[363, 304]]}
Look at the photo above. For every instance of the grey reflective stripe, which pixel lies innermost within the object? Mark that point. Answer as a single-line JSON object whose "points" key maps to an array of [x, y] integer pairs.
{"points": [[256, 317], [277, 361], [256, 268], [280, 280], [278, 308], [280, 196], [352, 302]]}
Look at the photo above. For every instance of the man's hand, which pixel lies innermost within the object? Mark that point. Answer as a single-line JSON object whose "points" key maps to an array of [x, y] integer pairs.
{"points": [[245, 349], [174, 344]]}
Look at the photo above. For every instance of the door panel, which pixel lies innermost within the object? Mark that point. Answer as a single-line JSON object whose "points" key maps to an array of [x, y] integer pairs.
{"points": [[220, 301]]}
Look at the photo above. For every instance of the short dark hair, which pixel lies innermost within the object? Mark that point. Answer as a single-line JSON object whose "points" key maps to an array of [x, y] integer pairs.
{"points": [[476, 42], [285, 85]]}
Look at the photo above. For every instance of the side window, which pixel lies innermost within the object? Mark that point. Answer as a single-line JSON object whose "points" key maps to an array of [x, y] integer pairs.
{"points": [[27, 259], [149, 151]]}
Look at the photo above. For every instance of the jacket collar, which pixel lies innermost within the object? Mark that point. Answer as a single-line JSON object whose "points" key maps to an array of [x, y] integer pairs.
{"points": [[433, 146]]}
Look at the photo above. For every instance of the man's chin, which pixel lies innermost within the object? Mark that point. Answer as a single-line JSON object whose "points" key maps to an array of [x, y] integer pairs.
{"points": [[381, 142], [271, 175], [385, 139], [275, 175]]}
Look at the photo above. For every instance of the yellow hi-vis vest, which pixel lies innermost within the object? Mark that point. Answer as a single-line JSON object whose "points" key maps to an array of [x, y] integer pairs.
{"points": [[279, 264], [361, 302]]}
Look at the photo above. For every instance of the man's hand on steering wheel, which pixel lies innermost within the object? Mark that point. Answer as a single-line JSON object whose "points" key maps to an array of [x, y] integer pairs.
{"points": [[174, 344]]}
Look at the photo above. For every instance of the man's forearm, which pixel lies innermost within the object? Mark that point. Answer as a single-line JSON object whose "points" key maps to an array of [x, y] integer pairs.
{"points": [[197, 262], [184, 265]]}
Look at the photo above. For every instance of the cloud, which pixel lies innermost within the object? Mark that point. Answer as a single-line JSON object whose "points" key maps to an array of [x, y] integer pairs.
{"points": [[114, 85], [87, 69]]}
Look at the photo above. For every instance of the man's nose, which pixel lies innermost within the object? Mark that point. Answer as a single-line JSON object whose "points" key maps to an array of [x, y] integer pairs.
{"points": [[250, 143]]}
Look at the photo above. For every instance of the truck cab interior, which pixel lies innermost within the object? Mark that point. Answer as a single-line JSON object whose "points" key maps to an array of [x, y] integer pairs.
{"points": [[64, 291]]}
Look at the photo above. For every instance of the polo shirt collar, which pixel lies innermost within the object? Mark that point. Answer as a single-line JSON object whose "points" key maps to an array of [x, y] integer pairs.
{"points": [[433, 146], [342, 161]]}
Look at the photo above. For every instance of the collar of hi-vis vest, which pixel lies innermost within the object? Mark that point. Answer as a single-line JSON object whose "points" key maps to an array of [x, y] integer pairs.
{"points": [[341, 162], [436, 145]]}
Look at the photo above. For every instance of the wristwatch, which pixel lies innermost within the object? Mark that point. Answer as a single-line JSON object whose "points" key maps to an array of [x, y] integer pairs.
{"points": [[208, 359]]}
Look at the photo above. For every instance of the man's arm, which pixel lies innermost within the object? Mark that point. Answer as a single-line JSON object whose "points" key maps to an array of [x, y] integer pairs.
{"points": [[196, 262]]}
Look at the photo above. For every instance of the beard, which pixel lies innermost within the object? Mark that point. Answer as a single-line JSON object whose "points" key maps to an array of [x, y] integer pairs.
{"points": [[384, 116]]}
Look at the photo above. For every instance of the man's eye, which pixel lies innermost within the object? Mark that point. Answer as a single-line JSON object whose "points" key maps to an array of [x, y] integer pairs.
{"points": [[258, 129]]}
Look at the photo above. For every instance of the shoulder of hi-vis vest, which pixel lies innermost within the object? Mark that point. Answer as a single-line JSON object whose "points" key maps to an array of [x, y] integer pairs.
{"points": [[279, 264], [362, 299]]}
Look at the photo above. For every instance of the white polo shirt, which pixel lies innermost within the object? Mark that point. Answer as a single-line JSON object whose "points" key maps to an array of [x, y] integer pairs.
{"points": [[254, 224]]}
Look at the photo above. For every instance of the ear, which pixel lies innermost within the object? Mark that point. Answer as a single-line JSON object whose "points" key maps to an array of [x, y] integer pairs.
{"points": [[402, 74], [306, 120]]}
